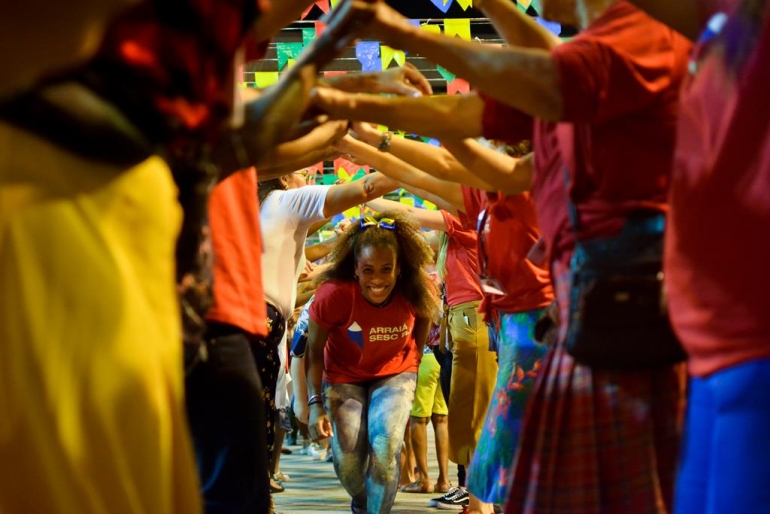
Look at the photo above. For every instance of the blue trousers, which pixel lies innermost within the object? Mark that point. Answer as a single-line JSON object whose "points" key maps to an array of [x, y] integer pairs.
{"points": [[726, 454]]}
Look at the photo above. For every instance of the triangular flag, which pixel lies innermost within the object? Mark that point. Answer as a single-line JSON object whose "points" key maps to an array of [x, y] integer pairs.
{"points": [[436, 29], [448, 75], [443, 5], [322, 4], [287, 51], [308, 35], [319, 28], [465, 4], [368, 54], [553, 27], [335, 2], [524, 3], [388, 54], [265, 78], [458, 85], [458, 27]]}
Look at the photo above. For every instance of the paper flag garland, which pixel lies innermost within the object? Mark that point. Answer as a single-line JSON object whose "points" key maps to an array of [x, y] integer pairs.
{"points": [[458, 27], [308, 35], [436, 29], [553, 28], [368, 54], [322, 4], [443, 5], [319, 28], [388, 54], [458, 85], [287, 51], [448, 75], [465, 4], [265, 78]]}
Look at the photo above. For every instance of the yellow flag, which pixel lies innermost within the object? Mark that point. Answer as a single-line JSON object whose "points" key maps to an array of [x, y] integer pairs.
{"points": [[265, 78], [465, 4], [458, 27], [436, 29]]}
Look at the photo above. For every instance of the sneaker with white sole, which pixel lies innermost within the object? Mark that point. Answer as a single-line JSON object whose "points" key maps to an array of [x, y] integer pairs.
{"points": [[456, 502], [451, 493]]}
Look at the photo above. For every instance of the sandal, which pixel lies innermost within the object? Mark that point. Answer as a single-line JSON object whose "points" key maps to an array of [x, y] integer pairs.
{"points": [[276, 487], [441, 488], [281, 477], [417, 487]]}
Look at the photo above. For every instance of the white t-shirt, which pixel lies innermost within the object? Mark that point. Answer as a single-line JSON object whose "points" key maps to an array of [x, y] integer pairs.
{"points": [[285, 218]]}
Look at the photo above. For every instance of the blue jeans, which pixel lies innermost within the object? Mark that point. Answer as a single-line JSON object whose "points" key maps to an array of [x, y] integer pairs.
{"points": [[726, 454], [368, 420]]}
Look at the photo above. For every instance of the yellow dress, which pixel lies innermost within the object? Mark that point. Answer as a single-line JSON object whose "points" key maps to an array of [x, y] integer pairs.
{"points": [[91, 379]]}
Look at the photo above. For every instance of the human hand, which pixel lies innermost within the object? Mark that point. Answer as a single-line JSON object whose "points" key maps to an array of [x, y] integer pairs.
{"points": [[405, 80], [319, 425], [365, 132]]}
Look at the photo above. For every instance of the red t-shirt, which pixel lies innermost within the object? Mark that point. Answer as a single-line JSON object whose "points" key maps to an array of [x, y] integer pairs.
{"points": [[510, 233], [365, 342], [619, 82], [234, 222], [717, 247], [462, 261]]}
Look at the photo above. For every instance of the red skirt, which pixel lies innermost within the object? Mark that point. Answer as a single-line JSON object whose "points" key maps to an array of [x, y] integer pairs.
{"points": [[598, 441]]}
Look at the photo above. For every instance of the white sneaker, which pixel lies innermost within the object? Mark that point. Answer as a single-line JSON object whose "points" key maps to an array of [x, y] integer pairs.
{"points": [[456, 502], [317, 452]]}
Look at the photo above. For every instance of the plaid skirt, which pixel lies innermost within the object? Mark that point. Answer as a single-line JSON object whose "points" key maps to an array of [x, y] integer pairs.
{"points": [[597, 441]]}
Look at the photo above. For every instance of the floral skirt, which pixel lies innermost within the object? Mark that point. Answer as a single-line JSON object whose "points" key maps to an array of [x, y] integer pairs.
{"points": [[520, 358]]}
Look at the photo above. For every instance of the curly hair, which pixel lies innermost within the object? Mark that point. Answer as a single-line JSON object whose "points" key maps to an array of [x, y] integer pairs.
{"points": [[412, 255], [268, 186]]}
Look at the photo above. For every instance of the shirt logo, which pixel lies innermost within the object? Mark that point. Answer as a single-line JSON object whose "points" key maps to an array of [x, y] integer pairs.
{"points": [[356, 334]]}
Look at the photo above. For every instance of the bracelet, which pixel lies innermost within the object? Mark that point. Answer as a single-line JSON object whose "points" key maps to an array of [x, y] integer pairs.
{"points": [[384, 145], [316, 398]]}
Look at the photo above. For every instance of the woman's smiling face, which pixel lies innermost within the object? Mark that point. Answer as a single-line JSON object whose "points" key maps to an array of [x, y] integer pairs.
{"points": [[377, 271]]}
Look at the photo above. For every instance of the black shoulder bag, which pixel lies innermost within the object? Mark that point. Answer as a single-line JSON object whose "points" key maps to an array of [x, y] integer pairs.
{"points": [[617, 314]]}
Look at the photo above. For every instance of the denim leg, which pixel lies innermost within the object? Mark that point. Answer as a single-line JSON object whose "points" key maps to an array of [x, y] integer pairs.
{"points": [[347, 408], [390, 403]]}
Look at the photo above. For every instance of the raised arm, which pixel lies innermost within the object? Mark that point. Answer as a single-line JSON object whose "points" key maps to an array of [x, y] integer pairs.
{"points": [[503, 172], [405, 80], [417, 181], [344, 196], [453, 116], [516, 27], [427, 219], [439, 162], [492, 70]]}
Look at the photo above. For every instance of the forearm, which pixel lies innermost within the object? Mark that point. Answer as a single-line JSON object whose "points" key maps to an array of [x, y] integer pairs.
{"points": [[421, 331], [500, 171], [412, 178], [523, 78], [319, 250], [436, 116], [427, 219], [517, 28], [437, 161]]}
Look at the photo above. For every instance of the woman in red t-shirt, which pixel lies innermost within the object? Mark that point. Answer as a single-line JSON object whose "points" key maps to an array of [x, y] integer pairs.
{"points": [[368, 326]]}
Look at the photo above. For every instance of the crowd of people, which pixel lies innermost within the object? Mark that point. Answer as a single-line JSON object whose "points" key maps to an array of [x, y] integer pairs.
{"points": [[154, 260]]}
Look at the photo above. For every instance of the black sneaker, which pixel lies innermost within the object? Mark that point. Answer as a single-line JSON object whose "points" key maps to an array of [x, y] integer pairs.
{"points": [[456, 502], [451, 493]]}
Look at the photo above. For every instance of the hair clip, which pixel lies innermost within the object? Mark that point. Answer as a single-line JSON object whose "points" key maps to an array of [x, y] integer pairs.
{"points": [[386, 223]]}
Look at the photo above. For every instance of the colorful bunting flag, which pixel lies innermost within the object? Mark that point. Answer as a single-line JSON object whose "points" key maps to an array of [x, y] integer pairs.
{"points": [[368, 54], [553, 27], [443, 5], [265, 78], [388, 54], [458, 85], [319, 28], [308, 35], [322, 4], [448, 75], [465, 4], [287, 51], [458, 27], [436, 29]]}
